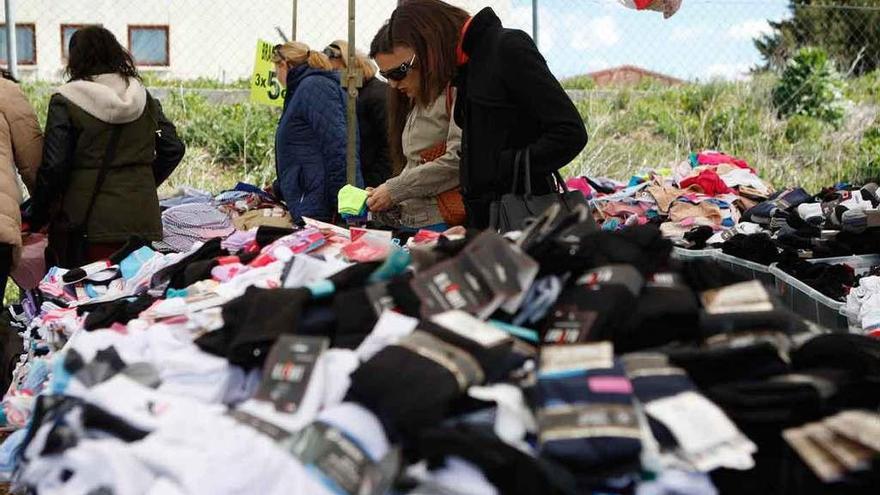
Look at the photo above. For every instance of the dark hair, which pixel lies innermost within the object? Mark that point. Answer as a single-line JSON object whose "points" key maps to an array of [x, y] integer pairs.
{"points": [[94, 50], [431, 28], [5, 74]]}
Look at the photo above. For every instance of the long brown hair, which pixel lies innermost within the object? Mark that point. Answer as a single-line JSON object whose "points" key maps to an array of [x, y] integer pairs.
{"points": [[431, 28], [93, 50]]}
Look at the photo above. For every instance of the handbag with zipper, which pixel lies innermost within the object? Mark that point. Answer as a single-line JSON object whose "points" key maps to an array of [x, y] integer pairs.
{"points": [[513, 210]]}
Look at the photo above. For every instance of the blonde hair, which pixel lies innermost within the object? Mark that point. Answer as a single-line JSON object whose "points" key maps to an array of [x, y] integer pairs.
{"points": [[296, 54], [364, 63]]}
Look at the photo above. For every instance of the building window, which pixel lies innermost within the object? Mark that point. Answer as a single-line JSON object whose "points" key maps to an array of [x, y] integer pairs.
{"points": [[67, 31], [149, 45], [25, 44]]}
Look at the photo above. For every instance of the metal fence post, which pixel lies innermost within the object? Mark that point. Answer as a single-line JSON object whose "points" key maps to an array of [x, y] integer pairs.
{"points": [[293, 22], [535, 21], [11, 48], [353, 80]]}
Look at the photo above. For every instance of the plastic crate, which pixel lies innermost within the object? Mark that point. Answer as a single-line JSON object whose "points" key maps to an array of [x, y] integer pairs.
{"points": [[861, 264], [684, 254], [746, 268], [810, 303]]}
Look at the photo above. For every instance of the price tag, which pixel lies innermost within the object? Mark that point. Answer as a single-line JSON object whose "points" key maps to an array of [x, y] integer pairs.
{"points": [[265, 86]]}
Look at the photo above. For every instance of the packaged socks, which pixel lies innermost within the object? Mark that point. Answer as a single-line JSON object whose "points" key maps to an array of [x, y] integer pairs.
{"points": [[585, 411]]}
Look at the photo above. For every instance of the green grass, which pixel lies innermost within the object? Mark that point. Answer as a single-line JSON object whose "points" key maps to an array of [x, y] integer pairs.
{"points": [[632, 131]]}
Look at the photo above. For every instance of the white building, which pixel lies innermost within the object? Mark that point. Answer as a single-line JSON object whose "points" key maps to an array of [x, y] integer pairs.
{"points": [[186, 39]]}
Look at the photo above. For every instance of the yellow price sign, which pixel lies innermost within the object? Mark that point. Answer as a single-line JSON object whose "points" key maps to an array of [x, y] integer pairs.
{"points": [[265, 86]]}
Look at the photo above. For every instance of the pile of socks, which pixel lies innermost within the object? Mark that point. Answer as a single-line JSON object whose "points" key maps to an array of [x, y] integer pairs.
{"points": [[352, 202], [187, 224]]}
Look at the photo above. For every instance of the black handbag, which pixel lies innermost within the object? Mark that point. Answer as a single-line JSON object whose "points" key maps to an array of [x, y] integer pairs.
{"points": [[69, 243], [513, 210]]}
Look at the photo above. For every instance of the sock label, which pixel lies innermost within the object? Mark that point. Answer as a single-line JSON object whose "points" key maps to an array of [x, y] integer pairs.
{"points": [[276, 433], [460, 364], [471, 328], [569, 325], [494, 257], [638, 365], [567, 422], [562, 360], [288, 370], [746, 297], [341, 464], [624, 275], [853, 455], [451, 285], [379, 297], [609, 385], [820, 462], [860, 426]]}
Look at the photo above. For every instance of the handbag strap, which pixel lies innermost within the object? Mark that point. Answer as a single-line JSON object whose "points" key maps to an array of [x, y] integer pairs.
{"points": [[109, 155], [525, 155], [516, 161]]}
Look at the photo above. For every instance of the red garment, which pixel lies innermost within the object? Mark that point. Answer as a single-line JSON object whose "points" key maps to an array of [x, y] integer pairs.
{"points": [[580, 184], [463, 57], [643, 4], [716, 158], [709, 182], [98, 251]]}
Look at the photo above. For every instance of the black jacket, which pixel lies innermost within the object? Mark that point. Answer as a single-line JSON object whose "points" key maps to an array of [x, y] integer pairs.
{"points": [[372, 111], [67, 142], [509, 100]]}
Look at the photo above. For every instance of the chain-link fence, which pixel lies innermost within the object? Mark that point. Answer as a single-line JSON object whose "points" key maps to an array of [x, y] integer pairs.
{"points": [[215, 39], [705, 39]]}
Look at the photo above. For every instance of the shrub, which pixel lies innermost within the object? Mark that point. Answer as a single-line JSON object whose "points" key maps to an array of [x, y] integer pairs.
{"points": [[802, 128], [869, 154], [582, 82], [810, 86]]}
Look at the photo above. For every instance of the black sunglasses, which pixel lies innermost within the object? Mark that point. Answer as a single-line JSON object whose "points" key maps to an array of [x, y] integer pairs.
{"points": [[399, 74]]}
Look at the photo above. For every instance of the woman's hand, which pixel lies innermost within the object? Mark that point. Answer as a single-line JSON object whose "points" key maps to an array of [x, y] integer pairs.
{"points": [[379, 199]]}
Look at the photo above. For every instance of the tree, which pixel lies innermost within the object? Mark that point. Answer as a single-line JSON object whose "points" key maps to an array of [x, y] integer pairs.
{"points": [[848, 31]]}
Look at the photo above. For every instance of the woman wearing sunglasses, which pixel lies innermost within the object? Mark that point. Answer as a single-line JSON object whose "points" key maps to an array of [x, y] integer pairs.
{"points": [[425, 142], [371, 111], [508, 100], [310, 142]]}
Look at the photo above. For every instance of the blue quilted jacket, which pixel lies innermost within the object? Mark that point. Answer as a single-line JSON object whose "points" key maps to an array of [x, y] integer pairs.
{"points": [[310, 143]]}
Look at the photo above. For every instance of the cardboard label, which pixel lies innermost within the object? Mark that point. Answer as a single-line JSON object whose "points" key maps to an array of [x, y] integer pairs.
{"points": [[454, 285], [853, 455], [288, 370], [461, 365], [587, 420], [569, 325], [746, 297], [471, 328], [563, 360], [265, 86], [272, 431], [380, 299], [820, 462], [860, 426], [494, 258], [346, 468]]}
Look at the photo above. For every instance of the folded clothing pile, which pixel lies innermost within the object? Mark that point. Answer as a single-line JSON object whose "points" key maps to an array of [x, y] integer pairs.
{"points": [[573, 360]]}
